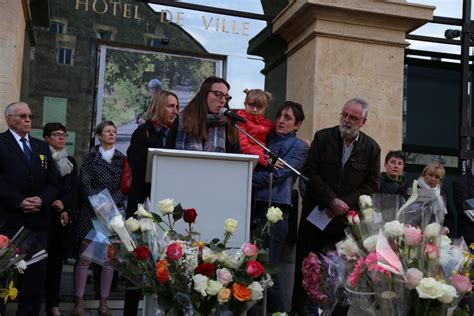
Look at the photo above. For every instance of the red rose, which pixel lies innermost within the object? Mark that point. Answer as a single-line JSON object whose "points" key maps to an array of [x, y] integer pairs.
{"points": [[253, 268], [206, 268], [142, 252], [174, 251], [189, 215]]}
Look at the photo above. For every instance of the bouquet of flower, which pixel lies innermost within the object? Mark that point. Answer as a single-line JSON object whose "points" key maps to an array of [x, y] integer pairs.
{"points": [[182, 274], [406, 264], [323, 278], [15, 257]]}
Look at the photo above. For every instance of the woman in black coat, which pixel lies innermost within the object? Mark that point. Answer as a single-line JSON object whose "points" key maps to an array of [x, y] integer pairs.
{"points": [[161, 113], [64, 209], [393, 181]]}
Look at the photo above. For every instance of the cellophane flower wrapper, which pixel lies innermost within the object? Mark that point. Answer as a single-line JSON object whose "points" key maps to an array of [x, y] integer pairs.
{"points": [[323, 280], [422, 208], [110, 217]]}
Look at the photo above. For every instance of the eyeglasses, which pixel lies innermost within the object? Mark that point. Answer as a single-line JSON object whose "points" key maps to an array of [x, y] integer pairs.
{"points": [[23, 116], [351, 117], [220, 95], [59, 135]]}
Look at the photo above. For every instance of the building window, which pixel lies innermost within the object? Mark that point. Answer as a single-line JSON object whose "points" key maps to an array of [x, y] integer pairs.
{"points": [[65, 56], [104, 34], [56, 27]]}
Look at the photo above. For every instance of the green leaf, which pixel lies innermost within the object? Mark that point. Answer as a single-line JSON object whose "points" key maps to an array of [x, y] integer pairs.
{"points": [[271, 268], [217, 247], [177, 212]]}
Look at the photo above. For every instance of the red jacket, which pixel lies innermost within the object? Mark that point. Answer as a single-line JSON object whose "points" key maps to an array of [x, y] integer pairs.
{"points": [[259, 128]]}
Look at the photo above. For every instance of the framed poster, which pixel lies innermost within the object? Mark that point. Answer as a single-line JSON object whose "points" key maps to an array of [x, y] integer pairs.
{"points": [[124, 73]]}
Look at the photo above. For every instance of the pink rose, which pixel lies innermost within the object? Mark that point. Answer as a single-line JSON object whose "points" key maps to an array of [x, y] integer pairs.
{"points": [[224, 276], [431, 250], [174, 251], [249, 249], [412, 235], [461, 283], [414, 277]]}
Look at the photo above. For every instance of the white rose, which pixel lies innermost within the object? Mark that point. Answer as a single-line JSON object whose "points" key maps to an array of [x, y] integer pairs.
{"points": [[429, 288], [200, 283], [142, 212], [116, 223], [166, 206], [432, 230], [348, 248], [257, 291], [393, 229], [370, 243], [230, 225], [274, 214], [213, 287], [146, 224], [208, 255], [365, 201], [132, 225], [448, 293], [445, 242]]}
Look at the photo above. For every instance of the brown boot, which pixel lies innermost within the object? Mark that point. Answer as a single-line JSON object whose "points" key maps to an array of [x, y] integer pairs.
{"points": [[104, 310], [79, 308]]}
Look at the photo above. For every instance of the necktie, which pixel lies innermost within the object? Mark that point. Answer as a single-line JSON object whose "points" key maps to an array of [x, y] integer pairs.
{"points": [[26, 150]]}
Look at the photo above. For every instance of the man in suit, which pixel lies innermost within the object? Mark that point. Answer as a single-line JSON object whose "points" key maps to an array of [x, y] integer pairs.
{"points": [[342, 164], [29, 184]]}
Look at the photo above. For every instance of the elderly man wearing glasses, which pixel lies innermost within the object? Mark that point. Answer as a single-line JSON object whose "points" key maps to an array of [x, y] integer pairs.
{"points": [[29, 183], [342, 164]]}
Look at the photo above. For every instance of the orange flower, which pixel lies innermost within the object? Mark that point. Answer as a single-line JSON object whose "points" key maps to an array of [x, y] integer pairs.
{"points": [[241, 292], [3, 241], [110, 253], [162, 273]]}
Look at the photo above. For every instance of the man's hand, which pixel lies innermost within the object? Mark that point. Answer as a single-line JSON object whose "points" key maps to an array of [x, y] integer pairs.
{"points": [[58, 206], [64, 218], [31, 204], [337, 207]]}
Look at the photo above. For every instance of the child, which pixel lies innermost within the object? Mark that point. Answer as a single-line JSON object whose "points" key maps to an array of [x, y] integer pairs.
{"points": [[257, 125]]}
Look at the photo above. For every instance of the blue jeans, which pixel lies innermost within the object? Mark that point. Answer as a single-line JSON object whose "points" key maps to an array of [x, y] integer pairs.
{"points": [[274, 244]]}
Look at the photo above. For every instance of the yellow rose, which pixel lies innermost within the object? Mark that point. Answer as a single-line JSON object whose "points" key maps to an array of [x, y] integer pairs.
{"points": [[166, 206], [274, 214], [230, 225]]}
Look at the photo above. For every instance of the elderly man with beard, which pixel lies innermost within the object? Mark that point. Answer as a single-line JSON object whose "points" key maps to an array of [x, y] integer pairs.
{"points": [[342, 164]]}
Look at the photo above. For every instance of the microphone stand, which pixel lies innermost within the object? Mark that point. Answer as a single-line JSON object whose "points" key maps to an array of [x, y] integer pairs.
{"points": [[273, 158]]}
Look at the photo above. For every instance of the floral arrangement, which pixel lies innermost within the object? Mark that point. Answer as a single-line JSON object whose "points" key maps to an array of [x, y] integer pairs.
{"points": [[398, 260], [183, 274], [403, 266]]}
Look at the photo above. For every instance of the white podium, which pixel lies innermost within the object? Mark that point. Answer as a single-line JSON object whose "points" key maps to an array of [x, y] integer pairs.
{"points": [[217, 185]]}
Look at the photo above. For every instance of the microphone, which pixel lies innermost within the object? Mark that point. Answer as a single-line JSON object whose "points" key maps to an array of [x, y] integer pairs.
{"points": [[232, 115]]}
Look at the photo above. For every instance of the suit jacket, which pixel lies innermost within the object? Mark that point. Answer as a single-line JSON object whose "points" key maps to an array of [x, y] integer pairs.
{"points": [[463, 189], [20, 179]]}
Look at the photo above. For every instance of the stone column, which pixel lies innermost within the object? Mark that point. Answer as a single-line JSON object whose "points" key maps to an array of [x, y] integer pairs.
{"points": [[338, 49], [12, 36]]}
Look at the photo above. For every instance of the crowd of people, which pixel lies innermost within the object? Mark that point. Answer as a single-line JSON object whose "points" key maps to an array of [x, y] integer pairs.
{"points": [[43, 189]]}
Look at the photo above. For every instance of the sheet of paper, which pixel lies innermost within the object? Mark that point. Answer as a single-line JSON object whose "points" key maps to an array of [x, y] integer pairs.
{"points": [[318, 218]]}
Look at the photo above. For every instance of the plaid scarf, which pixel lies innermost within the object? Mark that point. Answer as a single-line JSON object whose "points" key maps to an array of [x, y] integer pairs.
{"points": [[216, 136]]}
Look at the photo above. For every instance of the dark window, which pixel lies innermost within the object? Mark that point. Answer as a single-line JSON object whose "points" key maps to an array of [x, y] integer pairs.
{"points": [[105, 35], [64, 56], [155, 42], [55, 27]]}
